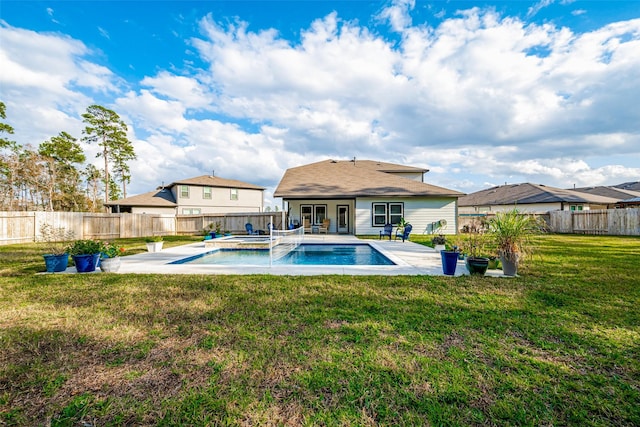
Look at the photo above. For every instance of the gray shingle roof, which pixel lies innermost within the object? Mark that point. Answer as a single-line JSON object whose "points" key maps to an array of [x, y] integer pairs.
{"points": [[527, 193], [633, 186], [346, 179], [157, 198], [614, 192], [215, 181]]}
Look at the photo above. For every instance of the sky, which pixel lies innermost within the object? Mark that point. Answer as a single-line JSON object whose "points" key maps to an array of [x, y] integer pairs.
{"points": [[481, 93]]}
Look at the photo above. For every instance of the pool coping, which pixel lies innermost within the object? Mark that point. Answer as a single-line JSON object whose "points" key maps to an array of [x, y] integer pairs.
{"points": [[410, 258]]}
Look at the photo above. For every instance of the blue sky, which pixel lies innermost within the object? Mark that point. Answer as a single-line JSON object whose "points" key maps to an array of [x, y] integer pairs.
{"points": [[480, 93]]}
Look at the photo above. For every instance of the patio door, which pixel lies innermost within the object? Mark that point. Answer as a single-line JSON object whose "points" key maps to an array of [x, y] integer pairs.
{"points": [[343, 219]]}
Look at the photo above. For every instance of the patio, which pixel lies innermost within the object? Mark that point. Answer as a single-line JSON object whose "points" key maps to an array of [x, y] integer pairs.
{"points": [[410, 258]]}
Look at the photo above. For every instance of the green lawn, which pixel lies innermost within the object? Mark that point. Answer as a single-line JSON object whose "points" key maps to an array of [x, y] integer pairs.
{"points": [[559, 345]]}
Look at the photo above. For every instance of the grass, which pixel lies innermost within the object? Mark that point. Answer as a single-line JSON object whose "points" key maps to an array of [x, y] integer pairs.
{"points": [[559, 345]]}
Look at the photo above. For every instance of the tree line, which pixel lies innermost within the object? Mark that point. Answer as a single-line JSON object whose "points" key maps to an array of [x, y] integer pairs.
{"points": [[54, 176]]}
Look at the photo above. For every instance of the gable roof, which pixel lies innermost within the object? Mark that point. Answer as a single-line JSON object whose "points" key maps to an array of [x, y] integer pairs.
{"points": [[347, 178], [614, 192], [527, 193], [633, 186], [162, 198], [215, 181]]}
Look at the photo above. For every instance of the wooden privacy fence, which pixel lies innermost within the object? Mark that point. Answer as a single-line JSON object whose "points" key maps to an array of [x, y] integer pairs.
{"points": [[24, 227], [622, 222]]}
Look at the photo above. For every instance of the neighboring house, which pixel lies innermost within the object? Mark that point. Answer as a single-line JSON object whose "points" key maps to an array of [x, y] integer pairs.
{"points": [[199, 195], [633, 202], [633, 186], [360, 197], [530, 198], [613, 192]]}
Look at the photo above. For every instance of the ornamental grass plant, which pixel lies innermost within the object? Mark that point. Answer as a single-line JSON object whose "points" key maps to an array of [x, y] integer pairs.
{"points": [[511, 232]]}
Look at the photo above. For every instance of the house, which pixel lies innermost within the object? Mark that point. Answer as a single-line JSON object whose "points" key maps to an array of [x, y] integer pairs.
{"points": [[530, 198], [613, 192], [633, 186], [360, 197], [199, 195]]}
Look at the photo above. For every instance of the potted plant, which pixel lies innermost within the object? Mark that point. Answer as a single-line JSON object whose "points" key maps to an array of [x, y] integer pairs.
{"points": [[85, 254], [110, 257], [474, 248], [439, 242], [449, 261], [511, 232], [154, 243], [56, 258]]}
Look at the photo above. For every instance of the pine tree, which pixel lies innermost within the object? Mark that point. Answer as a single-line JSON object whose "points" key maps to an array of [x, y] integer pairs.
{"points": [[106, 128]]}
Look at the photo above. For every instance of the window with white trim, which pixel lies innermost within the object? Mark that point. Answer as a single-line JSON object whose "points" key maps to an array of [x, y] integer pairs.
{"points": [[386, 213], [184, 191], [233, 194], [206, 193], [191, 211]]}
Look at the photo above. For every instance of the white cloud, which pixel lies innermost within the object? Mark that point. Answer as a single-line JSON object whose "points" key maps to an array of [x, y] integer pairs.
{"points": [[533, 10], [398, 14], [480, 98]]}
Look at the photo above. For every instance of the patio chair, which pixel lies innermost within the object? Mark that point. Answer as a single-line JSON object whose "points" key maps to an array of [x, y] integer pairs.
{"points": [[306, 223], [388, 228], [324, 228], [249, 227], [405, 233]]}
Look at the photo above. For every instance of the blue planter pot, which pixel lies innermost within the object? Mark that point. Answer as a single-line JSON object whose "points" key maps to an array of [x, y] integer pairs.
{"points": [[56, 263], [86, 263], [449, 262]]}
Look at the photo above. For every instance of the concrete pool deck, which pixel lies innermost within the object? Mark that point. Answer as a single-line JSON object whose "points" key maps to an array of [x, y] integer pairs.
{"points": [[411, 259]]}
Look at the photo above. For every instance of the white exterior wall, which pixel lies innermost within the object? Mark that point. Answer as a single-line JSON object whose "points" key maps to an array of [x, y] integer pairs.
{"points": [[414, 176], [248, 200], [422, 213], [534, 208], [332, 211], [153, 210]]}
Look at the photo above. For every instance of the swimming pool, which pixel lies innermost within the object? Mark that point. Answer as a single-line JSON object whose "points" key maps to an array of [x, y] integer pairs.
{"points": [[305, 254]]}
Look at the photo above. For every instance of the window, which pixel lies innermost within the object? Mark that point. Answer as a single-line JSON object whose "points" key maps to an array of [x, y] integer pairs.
{"points": [[315, 214], [319, 214], [575, 207], [191, 211], [234, 194], [206, 193], [379, 214], [184, 191], [395, 213], [306, 213], [387, 213]]}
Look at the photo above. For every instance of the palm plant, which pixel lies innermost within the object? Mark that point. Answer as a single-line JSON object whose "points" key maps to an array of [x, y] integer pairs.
{"points": [[512, 232]]}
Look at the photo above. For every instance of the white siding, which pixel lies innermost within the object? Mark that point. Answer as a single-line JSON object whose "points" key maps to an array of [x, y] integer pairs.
{"points": [[422, 213], [414, 176], [537, 208], [152, 210]]}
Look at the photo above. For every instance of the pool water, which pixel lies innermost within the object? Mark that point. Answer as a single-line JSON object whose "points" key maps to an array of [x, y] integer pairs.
{"points": [[305, 254]]}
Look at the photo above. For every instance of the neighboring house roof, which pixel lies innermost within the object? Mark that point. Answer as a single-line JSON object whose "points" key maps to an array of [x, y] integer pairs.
{"points": [[361, 178], [633, 186], [214, 181], [526, 193], [158, 198], [613, 192], [632, 200]]}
